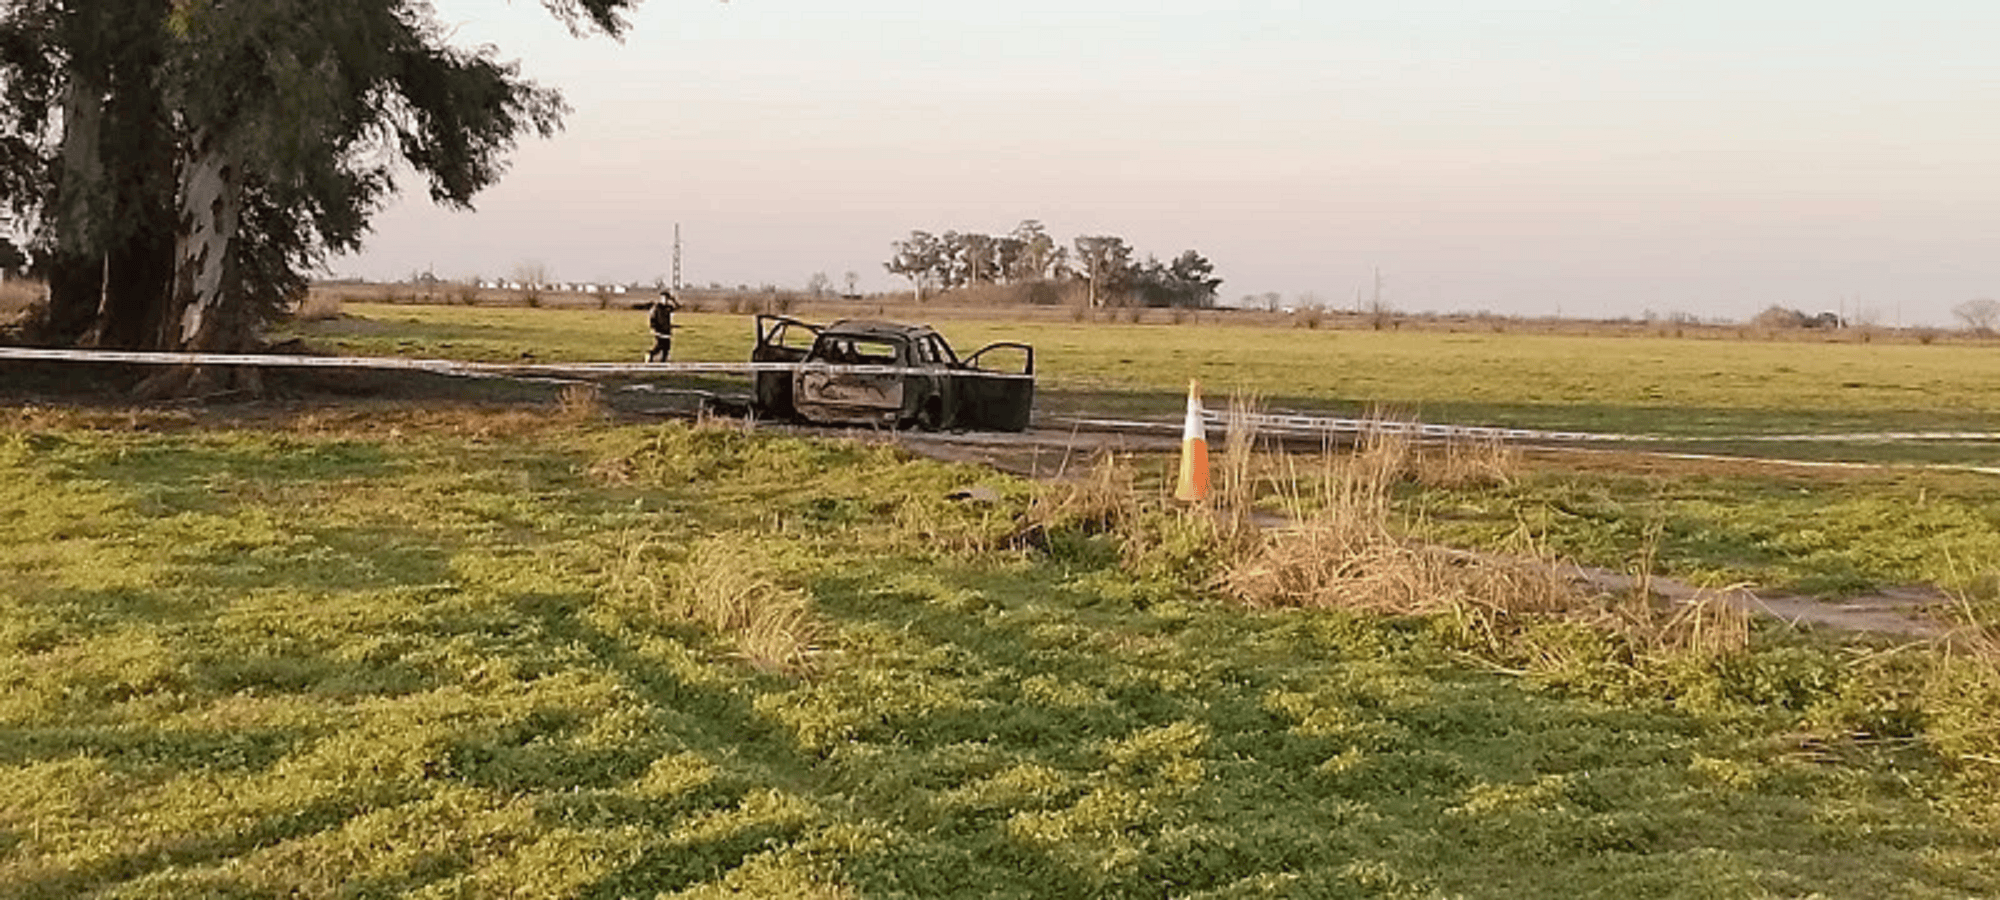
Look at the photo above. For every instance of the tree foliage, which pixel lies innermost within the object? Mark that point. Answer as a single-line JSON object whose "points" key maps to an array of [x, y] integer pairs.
{"points": [[194, 160], [1186, 282]]}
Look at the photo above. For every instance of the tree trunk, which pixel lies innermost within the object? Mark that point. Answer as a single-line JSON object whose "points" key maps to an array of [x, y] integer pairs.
{"points": [[139, 276], [206, 313], [76, 273]]}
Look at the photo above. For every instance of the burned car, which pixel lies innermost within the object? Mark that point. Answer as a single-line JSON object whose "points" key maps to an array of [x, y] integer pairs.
{"points": [[855, 372]]}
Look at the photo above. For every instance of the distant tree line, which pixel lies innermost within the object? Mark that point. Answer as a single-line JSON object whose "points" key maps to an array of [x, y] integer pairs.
{"points": [[936, 263]]}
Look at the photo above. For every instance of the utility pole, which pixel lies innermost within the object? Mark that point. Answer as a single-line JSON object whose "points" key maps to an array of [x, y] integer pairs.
{"points": [[677, 257]]}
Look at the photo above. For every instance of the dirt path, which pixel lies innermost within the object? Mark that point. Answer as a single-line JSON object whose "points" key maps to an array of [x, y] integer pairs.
{"points": [[1911, 612]]}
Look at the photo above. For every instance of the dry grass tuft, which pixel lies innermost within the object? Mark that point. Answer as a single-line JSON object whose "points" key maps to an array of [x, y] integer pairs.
{"points": [[1468, 462], [1236, 491], [731, 592], [318, 306], [1102, 502], [1345, 557], [1707, 626], [723, 584], [580, 403], [1345, 554]]}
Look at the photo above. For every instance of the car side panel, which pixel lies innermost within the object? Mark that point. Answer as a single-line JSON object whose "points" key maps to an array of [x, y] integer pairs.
{"points": [[835, 397]]}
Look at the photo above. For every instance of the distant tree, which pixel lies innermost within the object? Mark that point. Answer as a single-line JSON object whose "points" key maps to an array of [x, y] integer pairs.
{"points": [[956, 267], [1194, 277], [1036, 253], [532, 273], [1105, 263], [979, 258], [853, 281], [1978, 315], [1185, 282], [819, 285], [1007, 264], [922, 259]]}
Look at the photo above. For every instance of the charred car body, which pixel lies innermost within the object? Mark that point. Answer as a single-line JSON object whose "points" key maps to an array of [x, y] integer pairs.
{"points": [[855, 372]]}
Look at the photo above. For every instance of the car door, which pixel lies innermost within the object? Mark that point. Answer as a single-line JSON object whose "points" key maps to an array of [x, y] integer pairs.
{"points": [[780, 339], [996, 393]]}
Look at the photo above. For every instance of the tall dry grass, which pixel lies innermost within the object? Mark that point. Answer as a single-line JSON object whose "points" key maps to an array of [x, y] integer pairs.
{"points": [[581, 403], [1340, 549], [1327, 536], [724, 584], [318, 306], [1104, 501], [1467, 462]]}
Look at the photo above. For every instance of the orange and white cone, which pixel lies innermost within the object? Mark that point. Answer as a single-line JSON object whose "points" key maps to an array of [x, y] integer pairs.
{"points": [[1193, 486]]}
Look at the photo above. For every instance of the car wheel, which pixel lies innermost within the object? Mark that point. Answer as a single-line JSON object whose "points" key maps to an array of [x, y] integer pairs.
{"points": [[931, 417]]}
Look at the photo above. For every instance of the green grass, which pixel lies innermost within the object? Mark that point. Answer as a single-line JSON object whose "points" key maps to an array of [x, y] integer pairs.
{"points": [[458, 654], [1811, 533], [1695, 390], [1829, 533]]}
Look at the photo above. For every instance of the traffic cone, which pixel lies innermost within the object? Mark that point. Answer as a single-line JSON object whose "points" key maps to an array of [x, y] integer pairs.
{"points": [[1193, 486]]}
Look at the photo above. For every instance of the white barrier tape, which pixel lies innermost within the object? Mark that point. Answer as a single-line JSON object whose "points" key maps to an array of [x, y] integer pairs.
{"points": [[463, 368], [1319, 425], [1419, 429], [1315, 425]]}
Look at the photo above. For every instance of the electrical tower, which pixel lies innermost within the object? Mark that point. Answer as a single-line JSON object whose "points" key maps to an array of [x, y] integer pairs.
{"points": [[677, 257]]}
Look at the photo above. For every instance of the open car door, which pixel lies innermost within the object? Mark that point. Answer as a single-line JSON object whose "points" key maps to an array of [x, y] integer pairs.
{"points": [[996, 394], [780, 339]]}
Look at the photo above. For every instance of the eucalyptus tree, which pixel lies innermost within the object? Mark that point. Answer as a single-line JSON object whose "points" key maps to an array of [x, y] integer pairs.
{"points": [[920, 258], [1034, 252], [1105, 262], [89, 154], [262, 135]]}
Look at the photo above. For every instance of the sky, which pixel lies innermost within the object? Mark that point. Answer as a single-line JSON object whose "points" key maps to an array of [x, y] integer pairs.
{"points": [[1587, 158]]}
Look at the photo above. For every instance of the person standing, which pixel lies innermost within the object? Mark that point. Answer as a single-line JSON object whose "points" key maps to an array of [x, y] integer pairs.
{"points": [[662, 322]]}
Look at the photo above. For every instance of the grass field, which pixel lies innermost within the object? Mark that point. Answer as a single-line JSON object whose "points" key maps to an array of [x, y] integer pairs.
{"points": [[378, 652], [1826, 532], [1683, 388], [376, 648]]}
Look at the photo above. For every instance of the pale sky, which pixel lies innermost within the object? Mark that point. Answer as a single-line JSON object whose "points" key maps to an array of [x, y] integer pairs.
{"points": [[1588, 157]]}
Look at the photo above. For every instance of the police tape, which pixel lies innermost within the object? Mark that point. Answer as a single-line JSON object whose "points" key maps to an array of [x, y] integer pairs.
{"points": [[466, 368], [1309, 426]]}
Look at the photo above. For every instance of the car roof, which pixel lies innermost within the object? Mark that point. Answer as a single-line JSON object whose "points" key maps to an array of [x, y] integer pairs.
{"points": [[873, 329]]}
